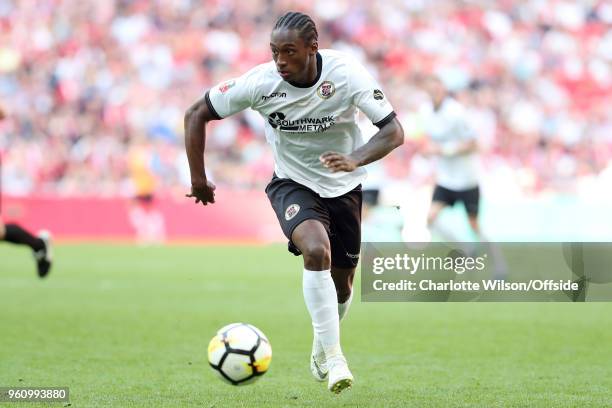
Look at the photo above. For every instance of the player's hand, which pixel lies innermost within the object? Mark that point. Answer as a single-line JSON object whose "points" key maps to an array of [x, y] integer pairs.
{"points": [[203, 193], [338, 162]]}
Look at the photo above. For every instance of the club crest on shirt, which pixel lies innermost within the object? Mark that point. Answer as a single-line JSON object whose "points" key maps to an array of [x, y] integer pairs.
{"points": [[378, 95], [326, 90], [292, 211], [224, 87]]}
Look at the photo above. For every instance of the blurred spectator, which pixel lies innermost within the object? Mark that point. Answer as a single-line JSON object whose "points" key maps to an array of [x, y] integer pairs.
{"points": [[85, 82]]}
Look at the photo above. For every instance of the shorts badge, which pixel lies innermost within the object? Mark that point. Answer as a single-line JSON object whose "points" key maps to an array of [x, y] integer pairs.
{"points": [[291, 211]]}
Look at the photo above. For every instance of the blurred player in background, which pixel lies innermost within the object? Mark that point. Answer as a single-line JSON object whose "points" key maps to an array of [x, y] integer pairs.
{"points": [[40, 245], [454, 146], [455, 149], [146, 218], [308, 98]]}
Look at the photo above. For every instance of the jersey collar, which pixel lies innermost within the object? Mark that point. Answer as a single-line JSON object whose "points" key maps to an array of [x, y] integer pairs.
{"points": [[319, 70]]}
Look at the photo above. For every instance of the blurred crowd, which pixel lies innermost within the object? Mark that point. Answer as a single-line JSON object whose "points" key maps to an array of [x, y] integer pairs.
{"points": [[95, 92]]}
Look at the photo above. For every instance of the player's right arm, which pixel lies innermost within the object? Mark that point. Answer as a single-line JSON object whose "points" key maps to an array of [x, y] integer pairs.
{"points": [[196, 119], [219, 102]]}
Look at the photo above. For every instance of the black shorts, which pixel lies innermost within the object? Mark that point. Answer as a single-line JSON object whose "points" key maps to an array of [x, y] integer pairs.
{"points": [[469, 197], [294, 203]]}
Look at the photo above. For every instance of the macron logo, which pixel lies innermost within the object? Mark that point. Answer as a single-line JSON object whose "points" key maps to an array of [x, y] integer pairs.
{"points": [[274, 95]]}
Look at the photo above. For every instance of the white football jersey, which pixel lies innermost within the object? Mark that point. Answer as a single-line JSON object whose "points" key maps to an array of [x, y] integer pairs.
{"points": [[304, 122], [447, 126]]}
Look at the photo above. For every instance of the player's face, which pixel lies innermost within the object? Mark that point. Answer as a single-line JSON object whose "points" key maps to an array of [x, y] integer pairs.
{"points": [[292, 56], [435, 89]]}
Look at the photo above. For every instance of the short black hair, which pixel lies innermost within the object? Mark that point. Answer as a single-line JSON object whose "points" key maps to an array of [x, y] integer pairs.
{"points": [[302, 23]]}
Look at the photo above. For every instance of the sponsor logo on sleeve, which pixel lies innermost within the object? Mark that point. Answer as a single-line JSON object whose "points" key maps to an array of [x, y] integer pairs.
{"points": [[326, 90], [224, 87]]}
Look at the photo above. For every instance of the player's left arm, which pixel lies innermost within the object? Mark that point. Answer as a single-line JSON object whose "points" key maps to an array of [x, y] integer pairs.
{"points": [[390, 136], [367, 96]]}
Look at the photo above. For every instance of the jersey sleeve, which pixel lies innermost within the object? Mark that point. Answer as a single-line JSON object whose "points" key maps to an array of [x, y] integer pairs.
{"points": [[234, 95], [367, 95]]}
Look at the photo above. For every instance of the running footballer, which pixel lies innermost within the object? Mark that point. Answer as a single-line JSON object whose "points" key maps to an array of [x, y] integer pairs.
{"points": [[309, 99]]}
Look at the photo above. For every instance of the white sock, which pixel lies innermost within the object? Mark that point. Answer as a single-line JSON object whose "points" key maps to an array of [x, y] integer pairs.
{"points": [[344, 307], [342, 311], [443, 231], [321, 301]]}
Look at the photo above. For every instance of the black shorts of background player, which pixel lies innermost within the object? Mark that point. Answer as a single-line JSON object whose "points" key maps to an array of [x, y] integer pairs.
{"points": [[444, 197]]}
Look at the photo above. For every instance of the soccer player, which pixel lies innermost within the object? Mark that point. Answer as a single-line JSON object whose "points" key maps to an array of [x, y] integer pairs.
{"points": [[454, 146], [308, 98], [41, 245]]}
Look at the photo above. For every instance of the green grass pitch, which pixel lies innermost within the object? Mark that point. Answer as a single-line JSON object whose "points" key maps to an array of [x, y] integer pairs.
{"points": [[127, 326]]}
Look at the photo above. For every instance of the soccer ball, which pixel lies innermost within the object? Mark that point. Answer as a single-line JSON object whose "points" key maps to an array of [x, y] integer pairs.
{"points": [[240, 353]]}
